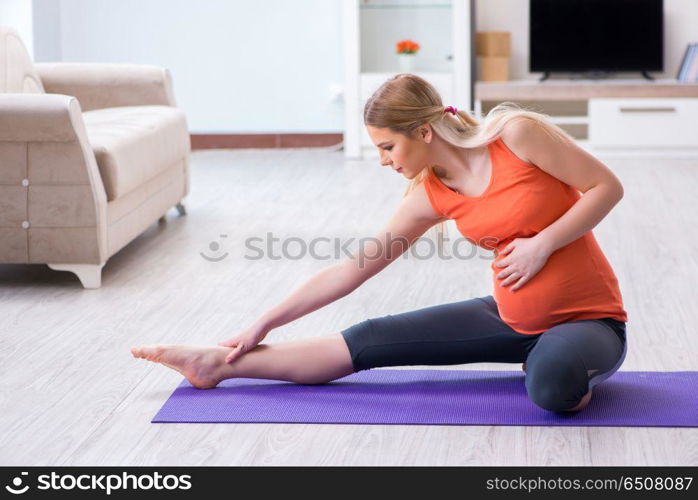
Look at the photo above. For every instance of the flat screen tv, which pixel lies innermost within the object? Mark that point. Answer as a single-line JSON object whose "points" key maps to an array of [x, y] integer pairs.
{"points": [[596, 35]]}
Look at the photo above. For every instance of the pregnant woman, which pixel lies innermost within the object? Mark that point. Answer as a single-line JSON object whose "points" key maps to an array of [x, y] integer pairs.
{"points": [[513, 185]]}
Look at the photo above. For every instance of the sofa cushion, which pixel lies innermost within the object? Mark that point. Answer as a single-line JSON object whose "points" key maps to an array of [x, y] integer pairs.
{"points": [[17, 72], [132, 144]]}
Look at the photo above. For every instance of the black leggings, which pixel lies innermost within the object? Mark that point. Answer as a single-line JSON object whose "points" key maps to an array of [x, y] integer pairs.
{"points": [[562, 363]]}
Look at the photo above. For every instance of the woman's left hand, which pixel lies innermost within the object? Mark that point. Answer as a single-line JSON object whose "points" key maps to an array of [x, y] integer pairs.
{"points": [[526, 257]]}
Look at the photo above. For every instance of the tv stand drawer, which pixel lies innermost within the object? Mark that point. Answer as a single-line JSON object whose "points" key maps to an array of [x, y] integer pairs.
{"points": [[643, 122]]}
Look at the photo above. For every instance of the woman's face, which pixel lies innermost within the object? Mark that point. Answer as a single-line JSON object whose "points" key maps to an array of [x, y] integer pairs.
{"points": [[404, 155]]}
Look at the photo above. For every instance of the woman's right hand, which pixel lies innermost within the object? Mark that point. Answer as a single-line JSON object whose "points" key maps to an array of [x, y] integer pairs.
{"points": [[243, 342]]}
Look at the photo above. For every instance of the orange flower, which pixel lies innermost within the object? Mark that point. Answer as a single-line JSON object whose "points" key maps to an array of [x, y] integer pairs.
{"points": [[407, 47]]}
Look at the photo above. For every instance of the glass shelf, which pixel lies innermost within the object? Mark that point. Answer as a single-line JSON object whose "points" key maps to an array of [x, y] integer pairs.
{"points": [[440, 6], [401, 4]]}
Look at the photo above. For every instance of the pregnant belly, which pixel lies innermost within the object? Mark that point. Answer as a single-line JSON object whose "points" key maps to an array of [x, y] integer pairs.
{"points": [[567, 287]]}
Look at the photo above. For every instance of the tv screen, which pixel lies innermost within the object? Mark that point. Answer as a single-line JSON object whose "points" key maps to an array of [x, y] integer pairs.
{"points": [[596, 35]]}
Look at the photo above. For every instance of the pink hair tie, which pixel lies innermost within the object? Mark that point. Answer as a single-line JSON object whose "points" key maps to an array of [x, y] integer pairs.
{"points": [[451, 109]]}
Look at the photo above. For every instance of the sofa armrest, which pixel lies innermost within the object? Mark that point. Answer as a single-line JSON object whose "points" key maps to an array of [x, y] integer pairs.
{"points": [[107, 85], [52, 200], [39, 118]]}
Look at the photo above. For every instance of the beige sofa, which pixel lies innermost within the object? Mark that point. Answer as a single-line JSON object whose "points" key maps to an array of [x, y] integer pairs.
{"points": [[90, 155]]}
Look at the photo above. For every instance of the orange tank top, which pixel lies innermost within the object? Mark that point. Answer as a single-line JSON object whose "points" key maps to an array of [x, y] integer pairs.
{"points": [[576, 282]]}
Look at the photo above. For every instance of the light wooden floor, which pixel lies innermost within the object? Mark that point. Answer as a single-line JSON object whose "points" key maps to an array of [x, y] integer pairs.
{"points": [[71, 394]]}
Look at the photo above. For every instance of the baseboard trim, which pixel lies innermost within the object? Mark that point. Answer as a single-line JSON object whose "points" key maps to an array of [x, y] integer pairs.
{"points": [[237, 141]]}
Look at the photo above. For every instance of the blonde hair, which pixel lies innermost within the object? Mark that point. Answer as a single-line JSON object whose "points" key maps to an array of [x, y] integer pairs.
{"points": [[406, 102]]}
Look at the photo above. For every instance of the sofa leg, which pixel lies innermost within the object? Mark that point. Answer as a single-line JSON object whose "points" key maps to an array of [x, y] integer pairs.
{"points": [[90, 275], [181, 209]]}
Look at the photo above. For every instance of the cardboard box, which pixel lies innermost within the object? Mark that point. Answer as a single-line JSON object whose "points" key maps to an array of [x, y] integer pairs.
{"points": [[493, 69], [493, 43]]}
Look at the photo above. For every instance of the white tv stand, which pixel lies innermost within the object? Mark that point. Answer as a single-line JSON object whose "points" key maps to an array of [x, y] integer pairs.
{"points": [[610, 116]]}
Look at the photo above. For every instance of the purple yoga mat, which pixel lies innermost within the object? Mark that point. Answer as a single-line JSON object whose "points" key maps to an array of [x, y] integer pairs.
{"points": [[436, 397]]}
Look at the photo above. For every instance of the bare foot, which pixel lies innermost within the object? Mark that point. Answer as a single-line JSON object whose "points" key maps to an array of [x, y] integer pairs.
{"points": [[200, 365], [582, 403]]}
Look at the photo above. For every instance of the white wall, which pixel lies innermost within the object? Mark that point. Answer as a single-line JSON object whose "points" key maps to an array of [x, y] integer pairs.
{"points": [[238, 66], [18, 15], [680, 22], [47, 30]]}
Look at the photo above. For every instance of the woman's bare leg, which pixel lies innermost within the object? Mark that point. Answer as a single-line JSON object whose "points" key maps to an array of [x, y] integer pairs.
{"points": [[309, 361]]}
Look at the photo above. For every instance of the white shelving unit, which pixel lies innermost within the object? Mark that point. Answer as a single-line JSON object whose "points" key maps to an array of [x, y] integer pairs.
{"points": [[443, 28]]}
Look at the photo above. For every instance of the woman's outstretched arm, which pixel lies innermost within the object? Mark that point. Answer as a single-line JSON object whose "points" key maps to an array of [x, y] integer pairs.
{"points": [[412, 218]]}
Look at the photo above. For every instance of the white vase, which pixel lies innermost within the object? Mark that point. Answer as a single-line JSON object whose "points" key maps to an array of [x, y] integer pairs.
{"points": [[406, 62]]}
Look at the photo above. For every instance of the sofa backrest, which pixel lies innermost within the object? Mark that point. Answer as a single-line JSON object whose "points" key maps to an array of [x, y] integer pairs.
{"points": [[17, 73]]}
